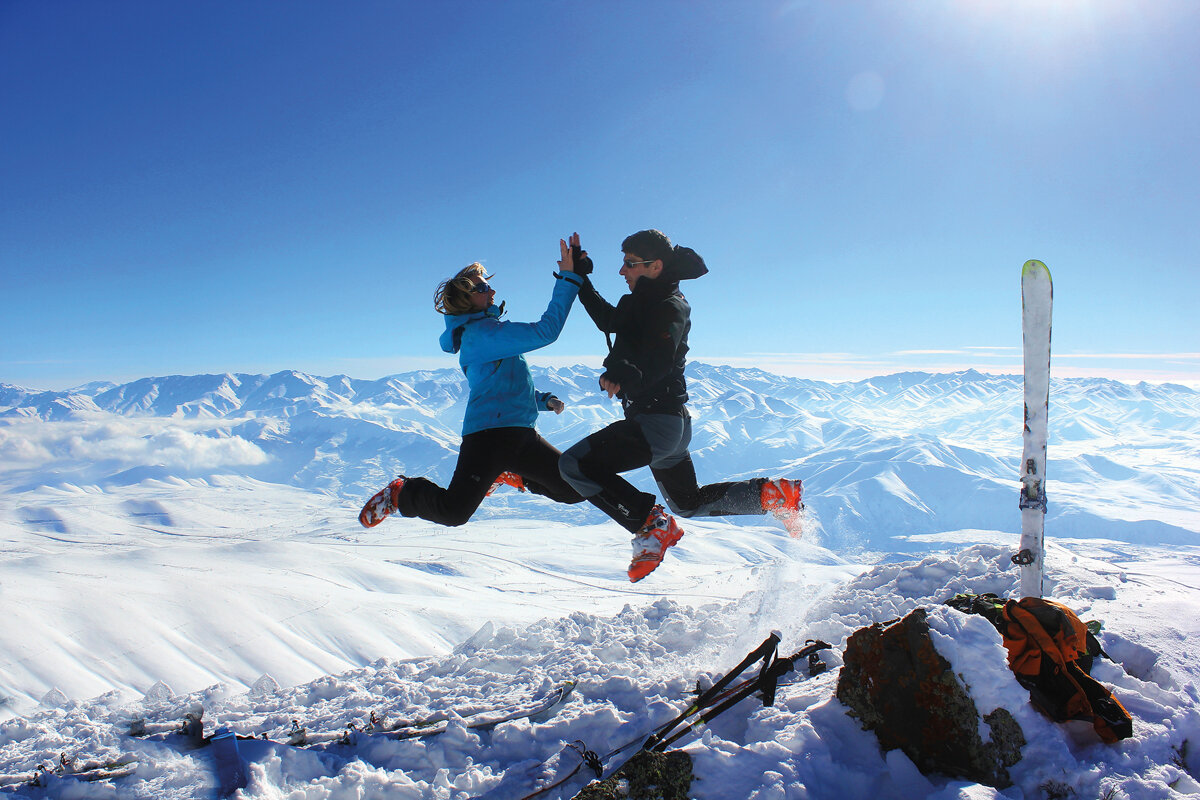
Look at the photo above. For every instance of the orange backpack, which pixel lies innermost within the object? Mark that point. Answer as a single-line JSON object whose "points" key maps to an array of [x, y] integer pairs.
{"points": [[1050, 650]]}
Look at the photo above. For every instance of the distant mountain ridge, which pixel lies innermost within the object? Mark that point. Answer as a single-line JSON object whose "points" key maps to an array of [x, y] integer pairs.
{"points": [[289, 391], [901, 454]]}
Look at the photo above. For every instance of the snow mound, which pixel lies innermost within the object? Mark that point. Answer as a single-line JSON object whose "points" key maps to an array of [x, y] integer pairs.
{"points": [[634, 671]]}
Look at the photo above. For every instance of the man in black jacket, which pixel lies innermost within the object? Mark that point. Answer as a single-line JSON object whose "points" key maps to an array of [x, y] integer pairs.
{"points": [[645, 370]]}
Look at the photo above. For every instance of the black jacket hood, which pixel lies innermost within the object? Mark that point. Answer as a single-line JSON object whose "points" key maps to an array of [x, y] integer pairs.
{"points": [[683, 264]]}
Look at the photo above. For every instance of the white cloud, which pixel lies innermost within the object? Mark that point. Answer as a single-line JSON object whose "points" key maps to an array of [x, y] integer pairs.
{"points": [[200, 445], [929, 352], [1135, 356], [19, 449]]}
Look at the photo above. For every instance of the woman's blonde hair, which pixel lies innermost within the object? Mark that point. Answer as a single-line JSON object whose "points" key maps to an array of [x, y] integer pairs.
{"points": [[453, 295]]}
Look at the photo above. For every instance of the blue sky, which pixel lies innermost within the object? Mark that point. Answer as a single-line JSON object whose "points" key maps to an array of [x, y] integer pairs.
{"points": [[253, 186]]}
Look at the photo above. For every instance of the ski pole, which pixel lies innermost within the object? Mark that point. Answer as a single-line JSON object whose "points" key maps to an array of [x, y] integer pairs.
{"points": [[761, 653]]}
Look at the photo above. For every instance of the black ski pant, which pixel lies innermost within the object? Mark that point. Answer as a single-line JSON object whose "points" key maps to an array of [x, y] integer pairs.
{"points": [[481, 458], [659, 441]]}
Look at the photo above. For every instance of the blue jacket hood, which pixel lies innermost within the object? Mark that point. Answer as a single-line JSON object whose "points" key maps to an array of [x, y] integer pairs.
{"points": [[451, 338]]}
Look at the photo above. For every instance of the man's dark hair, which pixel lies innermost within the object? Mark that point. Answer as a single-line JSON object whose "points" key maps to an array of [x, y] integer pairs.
{"points": [[650, 245]]}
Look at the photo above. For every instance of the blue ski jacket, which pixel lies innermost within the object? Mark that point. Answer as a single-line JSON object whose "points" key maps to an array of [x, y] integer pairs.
{"points": [[502, 394]]}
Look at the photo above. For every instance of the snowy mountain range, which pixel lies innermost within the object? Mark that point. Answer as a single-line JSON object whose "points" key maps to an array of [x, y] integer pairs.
{"points": [[188, 544], [896, 456]]}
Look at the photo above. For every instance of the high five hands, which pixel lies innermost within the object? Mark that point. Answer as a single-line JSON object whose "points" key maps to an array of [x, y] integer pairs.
{"points": [[567, 253], [579, 262], [573, 258]]}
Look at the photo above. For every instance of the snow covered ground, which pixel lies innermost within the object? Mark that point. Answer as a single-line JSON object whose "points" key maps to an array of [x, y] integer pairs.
{"points": [[153, 565]]}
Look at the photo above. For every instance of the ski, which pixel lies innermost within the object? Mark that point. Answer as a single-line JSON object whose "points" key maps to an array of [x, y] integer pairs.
{"points": [[190, 733], [539, 711], [87, 772], [1037, 297]]}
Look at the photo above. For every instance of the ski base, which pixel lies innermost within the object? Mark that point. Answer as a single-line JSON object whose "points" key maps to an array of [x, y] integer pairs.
{"points": [[1037, 297]]}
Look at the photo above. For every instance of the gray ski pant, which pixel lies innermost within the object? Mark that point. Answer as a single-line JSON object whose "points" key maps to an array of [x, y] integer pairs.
{"points": [[659, 441]]}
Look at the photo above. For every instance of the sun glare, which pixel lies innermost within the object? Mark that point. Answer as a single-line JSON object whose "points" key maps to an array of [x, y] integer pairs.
{"points": [[1042, 18]]}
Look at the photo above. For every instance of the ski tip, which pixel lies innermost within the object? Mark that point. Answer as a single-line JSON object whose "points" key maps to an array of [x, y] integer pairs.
{"points": [[1033, 265]]}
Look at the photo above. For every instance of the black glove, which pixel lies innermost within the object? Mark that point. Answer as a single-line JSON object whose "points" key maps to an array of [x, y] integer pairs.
{"points": [[579, 257]]}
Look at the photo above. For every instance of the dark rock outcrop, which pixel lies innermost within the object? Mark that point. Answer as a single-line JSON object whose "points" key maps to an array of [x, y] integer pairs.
{"points": [[898, 686]]}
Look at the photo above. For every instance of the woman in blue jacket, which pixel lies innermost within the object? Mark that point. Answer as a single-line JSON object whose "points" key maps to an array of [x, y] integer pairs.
{"points": [[498, 428]]}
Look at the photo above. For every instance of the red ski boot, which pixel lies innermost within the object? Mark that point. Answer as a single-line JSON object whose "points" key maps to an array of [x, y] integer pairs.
{"points": [[507, 479], [651, 543], [381, 504], [781, 497]]}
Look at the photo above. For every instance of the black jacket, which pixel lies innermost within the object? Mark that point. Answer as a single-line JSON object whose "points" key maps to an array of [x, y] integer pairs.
{"points": [[650, 325]]}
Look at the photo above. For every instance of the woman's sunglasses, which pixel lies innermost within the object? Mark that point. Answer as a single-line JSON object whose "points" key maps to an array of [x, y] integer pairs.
{"points": [[481, 288]]}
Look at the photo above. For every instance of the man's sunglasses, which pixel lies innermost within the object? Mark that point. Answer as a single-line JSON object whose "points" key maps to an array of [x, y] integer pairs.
{"points": [[481, 288], [637, 263]]}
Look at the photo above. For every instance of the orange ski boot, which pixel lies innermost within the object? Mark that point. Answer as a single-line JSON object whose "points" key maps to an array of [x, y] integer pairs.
{"points": [[381, 504], [507, 479], [651, 543], [782, 498]]}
